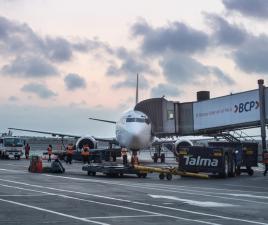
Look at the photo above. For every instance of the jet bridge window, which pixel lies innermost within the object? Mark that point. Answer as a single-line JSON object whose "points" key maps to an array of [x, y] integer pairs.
{"points": [[170, 114]]}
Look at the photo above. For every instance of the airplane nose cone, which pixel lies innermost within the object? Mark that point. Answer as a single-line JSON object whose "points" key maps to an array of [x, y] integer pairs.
{"points": [[138, 137]]}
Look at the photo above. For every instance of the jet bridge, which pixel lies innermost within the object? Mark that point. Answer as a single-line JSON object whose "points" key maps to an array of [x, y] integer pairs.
{"points": [[208, 116]]}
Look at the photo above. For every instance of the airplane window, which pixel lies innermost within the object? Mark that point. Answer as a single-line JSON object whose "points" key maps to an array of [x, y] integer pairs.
{"points": [[140, 120], [130, 120]]}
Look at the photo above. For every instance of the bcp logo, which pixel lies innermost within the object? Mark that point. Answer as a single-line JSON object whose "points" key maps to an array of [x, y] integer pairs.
{"points": [[246, 106]]}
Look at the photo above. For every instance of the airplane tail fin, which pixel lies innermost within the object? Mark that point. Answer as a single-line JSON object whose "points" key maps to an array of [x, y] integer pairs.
{"points": [[137, 89]]}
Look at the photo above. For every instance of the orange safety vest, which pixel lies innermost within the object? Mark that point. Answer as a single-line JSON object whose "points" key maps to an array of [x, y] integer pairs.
{"points": [[135, 160], [70, 151], [85, 153], [49, 150], [123, 151]]}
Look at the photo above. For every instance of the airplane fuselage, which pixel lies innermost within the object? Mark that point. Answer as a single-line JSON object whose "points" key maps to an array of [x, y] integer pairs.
{"points": [[134, 130]]}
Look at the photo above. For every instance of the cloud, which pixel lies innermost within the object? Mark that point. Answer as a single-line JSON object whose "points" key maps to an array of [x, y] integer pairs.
{"points": [[175, 36], [252, 56], [39, 89], [226, 34], [74, 81], [18, 38], [181, 69], [57, 49], [29, 66], [131, 63], [13, 99], [252, 8], [165, 90], [220, 75]]}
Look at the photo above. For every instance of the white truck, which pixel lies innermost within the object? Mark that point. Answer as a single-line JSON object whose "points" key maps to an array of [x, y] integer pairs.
{"points": [[11, 147]]}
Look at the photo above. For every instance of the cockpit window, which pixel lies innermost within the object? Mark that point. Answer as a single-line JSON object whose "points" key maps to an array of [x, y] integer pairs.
{"points": [[130, 120], [138, 120]]}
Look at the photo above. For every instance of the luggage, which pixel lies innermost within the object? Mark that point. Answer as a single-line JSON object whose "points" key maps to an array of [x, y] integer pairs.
{"points": [[36, 165], [57, 167]]}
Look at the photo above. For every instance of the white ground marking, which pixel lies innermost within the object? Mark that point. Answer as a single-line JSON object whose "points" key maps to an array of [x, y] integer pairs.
{"points": [[53, 212], [193, 202], [119, 217], [113, 205], [249, 196], [167, 189], [13, 171], [150, 184], [151, 205], [178, 189], [25, 195], [248, 186]]}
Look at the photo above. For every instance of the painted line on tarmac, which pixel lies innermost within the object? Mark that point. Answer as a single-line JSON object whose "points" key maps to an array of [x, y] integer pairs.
{"points": [[247, 186], [189, 192], [25, 195], [150, 184], [13, 171], [151, 205], [120, 217], [53, 212], [113, 205]]}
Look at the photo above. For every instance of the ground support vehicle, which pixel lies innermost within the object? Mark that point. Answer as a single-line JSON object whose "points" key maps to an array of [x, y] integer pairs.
{"points": [[245, 155], [167, 172], [11, 147], [96, 155], [111, 169], [222, 158]]}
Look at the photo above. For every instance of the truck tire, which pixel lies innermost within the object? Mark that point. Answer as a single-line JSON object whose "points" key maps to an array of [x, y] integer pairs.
{"points": [[232, 171], [225, 172], [161, 176], [250, 171], [144, 175], [169, 176]]}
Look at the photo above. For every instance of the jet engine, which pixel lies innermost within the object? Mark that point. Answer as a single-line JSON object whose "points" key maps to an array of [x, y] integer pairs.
{"points": [[92, 143]]}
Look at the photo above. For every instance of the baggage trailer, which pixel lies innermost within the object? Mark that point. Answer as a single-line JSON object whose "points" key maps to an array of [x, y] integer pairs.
{"points": [[222, 158], [111, 169], [167, 172]]}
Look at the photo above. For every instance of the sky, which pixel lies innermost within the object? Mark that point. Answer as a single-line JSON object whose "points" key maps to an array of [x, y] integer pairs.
{"points": [[64, 61]]}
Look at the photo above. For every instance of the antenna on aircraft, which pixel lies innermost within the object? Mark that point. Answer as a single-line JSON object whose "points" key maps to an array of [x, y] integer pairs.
{"points": [[137, 89]]}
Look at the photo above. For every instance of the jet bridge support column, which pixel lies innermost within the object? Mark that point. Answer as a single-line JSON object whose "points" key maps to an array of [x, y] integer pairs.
{"points": [[262, 113]]}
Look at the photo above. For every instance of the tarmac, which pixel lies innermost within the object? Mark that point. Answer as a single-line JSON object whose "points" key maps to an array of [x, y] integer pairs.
{"points": [[75, 198]]}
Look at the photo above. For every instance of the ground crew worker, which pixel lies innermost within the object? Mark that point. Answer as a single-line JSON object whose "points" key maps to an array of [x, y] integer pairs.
{"points": [[134, 159], [27, 150], [124, 155], [69, 153], [49, 152], [85, 153], [265, 162]]}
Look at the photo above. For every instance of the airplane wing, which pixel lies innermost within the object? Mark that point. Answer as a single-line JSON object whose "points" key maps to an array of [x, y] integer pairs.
{"points": [[62, 135], [100, 120], [54, 134]]}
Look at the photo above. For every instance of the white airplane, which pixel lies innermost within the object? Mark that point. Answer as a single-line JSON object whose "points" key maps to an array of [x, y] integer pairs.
{"points": [[133, 131]]}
